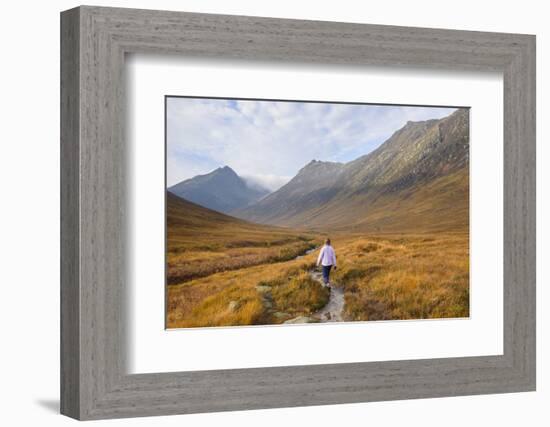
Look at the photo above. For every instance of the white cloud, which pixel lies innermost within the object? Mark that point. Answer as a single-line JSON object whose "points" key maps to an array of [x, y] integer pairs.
{"points": [[268, 181], [270, 141]]}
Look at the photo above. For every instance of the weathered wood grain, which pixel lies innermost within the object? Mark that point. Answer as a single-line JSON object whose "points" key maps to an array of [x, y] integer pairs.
{"points": [[70, 220], [94, 381]]}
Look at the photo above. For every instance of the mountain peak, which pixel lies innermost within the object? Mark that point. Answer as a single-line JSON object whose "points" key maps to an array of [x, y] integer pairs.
{"points": [[312, 163], [221, 190], [421, 123], [320, 164], [226, 169]]}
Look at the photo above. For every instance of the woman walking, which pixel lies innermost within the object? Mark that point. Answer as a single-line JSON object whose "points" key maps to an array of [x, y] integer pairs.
{"points": [[327, 258]]}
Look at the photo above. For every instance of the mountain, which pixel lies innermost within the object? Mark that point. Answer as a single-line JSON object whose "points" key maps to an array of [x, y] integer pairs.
{"points": [[310, 188], [221, 190], [416, 180]]}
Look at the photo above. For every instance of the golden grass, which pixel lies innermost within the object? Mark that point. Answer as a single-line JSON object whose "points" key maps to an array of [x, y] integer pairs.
{"points": [[228, 272], [406, 277], [189, 264], [384, 278], [266, 294], [297, 294]]}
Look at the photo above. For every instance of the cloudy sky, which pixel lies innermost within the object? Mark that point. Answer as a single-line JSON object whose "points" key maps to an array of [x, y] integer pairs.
{"points": [[267, 142]]}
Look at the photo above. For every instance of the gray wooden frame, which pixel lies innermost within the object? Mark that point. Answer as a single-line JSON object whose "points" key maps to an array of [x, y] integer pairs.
{"points": [[94, 41]]}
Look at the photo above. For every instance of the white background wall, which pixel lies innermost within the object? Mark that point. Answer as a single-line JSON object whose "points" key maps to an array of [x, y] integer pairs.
{"points": [[29, 224]]}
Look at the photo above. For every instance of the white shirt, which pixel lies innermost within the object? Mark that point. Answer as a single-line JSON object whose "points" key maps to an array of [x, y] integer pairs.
{"points": [[327, 256]]}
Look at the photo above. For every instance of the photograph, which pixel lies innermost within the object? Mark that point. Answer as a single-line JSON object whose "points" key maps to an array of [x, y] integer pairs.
{"points": [[283, 212], [326, 213]]}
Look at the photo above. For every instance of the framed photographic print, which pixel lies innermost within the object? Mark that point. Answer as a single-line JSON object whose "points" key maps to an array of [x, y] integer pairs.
{"points": [[292, 213], [256, 243]]}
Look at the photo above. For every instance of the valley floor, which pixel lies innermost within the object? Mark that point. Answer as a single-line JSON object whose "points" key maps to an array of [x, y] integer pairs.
{"points": [[381, 277]]}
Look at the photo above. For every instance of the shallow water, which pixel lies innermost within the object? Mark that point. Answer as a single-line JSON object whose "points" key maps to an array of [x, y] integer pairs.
{"points": [[332, 311]]}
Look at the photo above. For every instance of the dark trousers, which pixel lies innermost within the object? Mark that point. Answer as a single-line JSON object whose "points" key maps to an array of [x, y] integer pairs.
{"points": [[326, 273]]}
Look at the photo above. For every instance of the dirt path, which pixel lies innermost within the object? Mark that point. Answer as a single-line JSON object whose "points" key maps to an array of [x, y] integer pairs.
{"points": [[333, 310]]}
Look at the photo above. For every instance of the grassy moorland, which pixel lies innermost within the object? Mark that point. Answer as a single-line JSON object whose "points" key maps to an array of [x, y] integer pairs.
{"points": [[223, 271], [201, 242], [264, 294], [227, 272], [405, 276], [383, 277]]}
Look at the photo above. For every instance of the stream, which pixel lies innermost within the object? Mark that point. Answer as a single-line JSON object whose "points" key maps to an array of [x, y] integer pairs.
{"points": [[332, 311]]}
